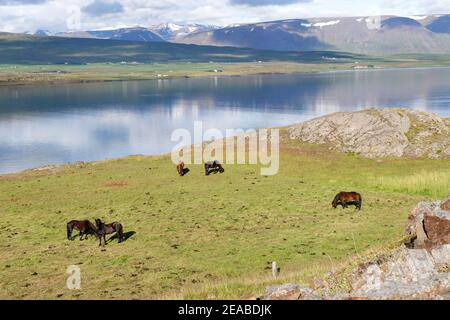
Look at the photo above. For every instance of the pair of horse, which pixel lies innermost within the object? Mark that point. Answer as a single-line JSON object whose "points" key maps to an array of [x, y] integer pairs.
{"points": [[100, 229], [347, 198], [210, 166]]}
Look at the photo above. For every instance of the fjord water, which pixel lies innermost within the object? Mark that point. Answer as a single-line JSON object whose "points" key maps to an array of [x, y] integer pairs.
{"points": [[42, 125]]}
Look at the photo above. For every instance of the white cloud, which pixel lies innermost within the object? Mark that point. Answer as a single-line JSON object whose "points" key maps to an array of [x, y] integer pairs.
{"points": [[55, 15]]}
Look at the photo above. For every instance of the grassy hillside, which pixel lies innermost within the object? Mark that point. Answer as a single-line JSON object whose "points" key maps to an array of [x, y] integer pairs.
{"points": [[196, 236], [18, 49], [35, 60]]}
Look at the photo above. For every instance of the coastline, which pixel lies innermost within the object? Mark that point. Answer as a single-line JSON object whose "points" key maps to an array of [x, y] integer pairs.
{"points": [[55, 167], [53, 75]]}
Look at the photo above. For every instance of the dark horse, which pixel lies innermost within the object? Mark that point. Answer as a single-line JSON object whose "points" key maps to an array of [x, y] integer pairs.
{"points": [[180, 169], [348, 198], [215, 166], [85, 227], [105, 229]]}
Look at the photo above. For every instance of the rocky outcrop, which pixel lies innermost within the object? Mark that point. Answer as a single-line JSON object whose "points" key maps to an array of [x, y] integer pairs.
{"points": [[429, 225], [418, 270], [290, 292], [405, 274], [375, 133]]}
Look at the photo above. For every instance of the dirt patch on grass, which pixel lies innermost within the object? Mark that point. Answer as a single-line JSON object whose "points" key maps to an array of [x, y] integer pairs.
{"points": [[117, 184]]}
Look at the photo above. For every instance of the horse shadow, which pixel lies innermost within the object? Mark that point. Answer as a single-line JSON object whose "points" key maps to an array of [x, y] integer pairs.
{"points": [[126, 236]]}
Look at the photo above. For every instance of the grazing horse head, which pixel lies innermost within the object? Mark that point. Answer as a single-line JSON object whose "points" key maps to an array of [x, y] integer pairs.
{"points": [[336, 201], [85, 227]]}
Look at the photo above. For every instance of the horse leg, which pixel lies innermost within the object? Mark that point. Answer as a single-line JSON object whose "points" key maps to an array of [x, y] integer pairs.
{"points": [[81, 235], [120, 233], [69, 232]]}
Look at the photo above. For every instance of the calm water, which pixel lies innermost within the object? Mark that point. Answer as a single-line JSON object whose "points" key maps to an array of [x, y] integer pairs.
{"points": [[41, 125]]}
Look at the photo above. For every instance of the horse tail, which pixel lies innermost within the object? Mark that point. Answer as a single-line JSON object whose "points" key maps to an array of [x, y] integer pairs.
{"points": [[69, 230]]}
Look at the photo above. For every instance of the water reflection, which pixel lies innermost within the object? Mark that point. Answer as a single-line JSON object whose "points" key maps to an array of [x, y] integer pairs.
{"points": [[49, 125]]}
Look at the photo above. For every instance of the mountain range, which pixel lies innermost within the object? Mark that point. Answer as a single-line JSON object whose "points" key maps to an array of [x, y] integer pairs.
{"points": [[365, 35], [169, 32], [381, 35], [44, 50]]}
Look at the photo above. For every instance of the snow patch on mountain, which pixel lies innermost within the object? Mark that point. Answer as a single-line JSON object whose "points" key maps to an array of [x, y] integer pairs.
{"points": [[321, 24], [373, 23], [328, 23]]}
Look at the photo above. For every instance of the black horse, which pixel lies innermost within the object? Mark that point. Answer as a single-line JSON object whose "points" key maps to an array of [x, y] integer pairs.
{"points": [[213, 166], [105, 229], [85, 227]]}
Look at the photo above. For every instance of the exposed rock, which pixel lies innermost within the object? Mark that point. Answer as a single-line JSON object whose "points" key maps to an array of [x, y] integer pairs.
{"points": [[428, 225], [406, 274], [446, 204], [290, 292], [441, 256], [437, 230], [418, 271], [377, 133]]}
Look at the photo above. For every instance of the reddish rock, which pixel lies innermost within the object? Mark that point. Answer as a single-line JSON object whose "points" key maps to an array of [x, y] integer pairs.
{"points": [[446, 205], [428, 225], [437, 231], [290, 292]]}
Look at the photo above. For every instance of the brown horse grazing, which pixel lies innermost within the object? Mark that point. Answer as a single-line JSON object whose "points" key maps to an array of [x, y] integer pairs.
{"points": [[348, 198], [105, 229], [180, 169], [215, 166], [85, 227]]}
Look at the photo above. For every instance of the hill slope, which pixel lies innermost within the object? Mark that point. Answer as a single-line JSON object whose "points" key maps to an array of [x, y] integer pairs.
{"points": [[193, 246], [123, 34], [26, 49], [367, 35], [380, 133]]}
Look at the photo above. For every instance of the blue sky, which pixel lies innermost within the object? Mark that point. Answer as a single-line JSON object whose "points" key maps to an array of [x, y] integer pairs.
{"points": [[58, 15]]}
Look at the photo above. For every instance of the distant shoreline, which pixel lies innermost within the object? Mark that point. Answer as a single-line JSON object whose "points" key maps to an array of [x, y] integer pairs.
{"points": [[81, 163], [53, 75]]}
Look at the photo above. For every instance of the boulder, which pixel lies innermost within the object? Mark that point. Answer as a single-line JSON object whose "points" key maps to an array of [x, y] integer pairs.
{"points": [[290, 292], [446, 204], [376, 133], [428, 225], [405, 274], [419, 270]]}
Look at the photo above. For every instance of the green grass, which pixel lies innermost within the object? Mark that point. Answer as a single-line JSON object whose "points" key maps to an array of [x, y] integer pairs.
{"points": [[432, 183], [198, 237], [52, 74], [53, 50]]}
